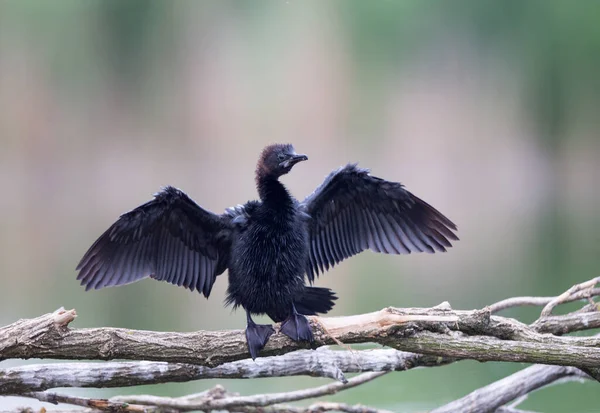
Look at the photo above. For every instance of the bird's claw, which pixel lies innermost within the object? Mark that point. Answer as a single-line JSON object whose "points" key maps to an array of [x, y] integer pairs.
{"points": [[297, 328], [257, 336]]}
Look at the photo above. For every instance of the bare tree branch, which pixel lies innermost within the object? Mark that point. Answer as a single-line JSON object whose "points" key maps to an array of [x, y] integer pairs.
{"points": [[497, 394], [322, 363], [475, 335], [206, 402], [313, 408], [504, 409], [48, 336], [257, 400], [318, 407], [43, 410], [568, 323], [97, 404], [583, 290], [519, 302], [540, 301]]}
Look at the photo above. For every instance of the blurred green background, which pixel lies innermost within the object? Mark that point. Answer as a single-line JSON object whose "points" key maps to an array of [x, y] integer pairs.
{"points": [[486, 109]]}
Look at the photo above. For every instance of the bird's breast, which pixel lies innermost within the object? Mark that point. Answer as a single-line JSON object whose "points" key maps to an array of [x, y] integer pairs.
{"points": [[270, 250]]}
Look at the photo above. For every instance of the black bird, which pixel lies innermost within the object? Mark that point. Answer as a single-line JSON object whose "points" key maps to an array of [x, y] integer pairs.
{"points": [[269, 245]]}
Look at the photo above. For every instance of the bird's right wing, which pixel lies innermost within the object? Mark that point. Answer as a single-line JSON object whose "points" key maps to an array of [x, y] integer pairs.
{"points": [[170, 238], [353, 211]]}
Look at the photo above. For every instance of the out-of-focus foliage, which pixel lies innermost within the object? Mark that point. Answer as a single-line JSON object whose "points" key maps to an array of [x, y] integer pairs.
{"points": [[486, 109], [554, 45]]}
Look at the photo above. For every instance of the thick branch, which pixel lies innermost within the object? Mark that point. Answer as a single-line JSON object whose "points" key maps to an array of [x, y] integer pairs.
{"points": [[484, 348], [323, 363], [446, 333]]}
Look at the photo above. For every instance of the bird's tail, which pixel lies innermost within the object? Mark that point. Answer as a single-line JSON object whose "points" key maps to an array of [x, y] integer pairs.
{"points": [[315, 300]]}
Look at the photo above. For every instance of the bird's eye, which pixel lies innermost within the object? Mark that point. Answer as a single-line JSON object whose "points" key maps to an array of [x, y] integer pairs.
{"points": [[281, 156]]}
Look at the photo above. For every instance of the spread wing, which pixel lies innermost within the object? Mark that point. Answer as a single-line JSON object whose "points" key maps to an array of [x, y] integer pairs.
{"points": [[353, 211], [170, 238]]}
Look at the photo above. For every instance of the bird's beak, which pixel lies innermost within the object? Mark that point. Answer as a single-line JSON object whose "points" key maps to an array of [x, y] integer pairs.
{"points": [[293, 160], [299, 158]]}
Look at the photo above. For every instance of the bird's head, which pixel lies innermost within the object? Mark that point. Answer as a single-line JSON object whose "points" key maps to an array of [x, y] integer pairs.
{"points": [[277, 160]]}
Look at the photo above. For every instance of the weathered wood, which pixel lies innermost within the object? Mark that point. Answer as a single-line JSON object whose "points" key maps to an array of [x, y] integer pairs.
{"points": [[445, 333], [491, 397], [321, 363]]}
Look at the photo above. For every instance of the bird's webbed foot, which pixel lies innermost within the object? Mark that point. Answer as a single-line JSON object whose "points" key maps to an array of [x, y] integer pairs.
{"points": [[257, 336], [296, 327]]}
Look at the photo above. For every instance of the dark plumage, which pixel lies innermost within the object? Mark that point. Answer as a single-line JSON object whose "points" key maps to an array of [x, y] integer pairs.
{"points": [[267, 245]]}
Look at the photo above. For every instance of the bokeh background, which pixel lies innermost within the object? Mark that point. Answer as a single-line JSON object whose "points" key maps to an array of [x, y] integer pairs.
{"points": [[486, 109]]}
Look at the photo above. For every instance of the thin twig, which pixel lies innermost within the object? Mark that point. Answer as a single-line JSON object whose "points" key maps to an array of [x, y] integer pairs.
{"points": [[318, 407], [519, 302], [583, 290], [258, 400], [313, 408], [43, 410], [541, 301], [216, 400], [99, 404]]}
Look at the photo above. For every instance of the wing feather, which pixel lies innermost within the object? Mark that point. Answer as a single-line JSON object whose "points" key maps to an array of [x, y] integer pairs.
{"points": [[195, 258], [353, 211], [170, 238], [342, 236]]}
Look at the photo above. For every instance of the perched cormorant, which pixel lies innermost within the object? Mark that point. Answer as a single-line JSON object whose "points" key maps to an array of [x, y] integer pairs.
{"points": [[269, 245]]}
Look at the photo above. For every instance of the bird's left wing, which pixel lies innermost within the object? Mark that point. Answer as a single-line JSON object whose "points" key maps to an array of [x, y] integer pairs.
{"points": [[170, 238], [353, 211]]}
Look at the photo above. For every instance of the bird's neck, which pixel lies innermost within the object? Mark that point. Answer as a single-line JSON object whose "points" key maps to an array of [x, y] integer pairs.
{"points": [[272, 192]]}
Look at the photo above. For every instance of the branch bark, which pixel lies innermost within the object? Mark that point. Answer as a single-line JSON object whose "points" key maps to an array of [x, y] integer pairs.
{"points": [[321, 363], [476, 335], [491, 397]]}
